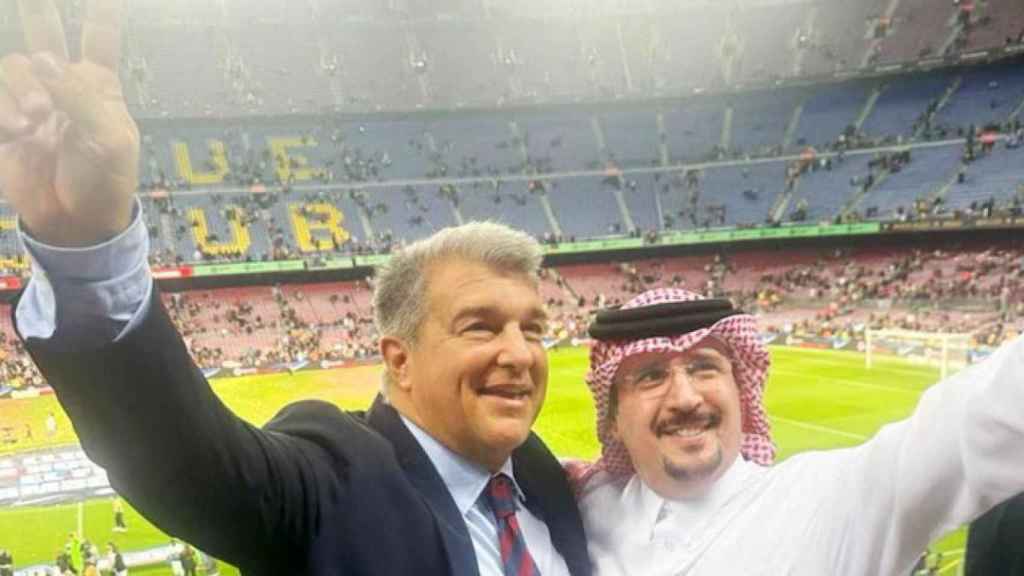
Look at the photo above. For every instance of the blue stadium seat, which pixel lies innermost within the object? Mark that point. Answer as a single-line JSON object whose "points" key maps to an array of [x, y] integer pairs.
{"points": [[999, 175], [642, 201], [826, 191], [828, 110], [512, 204], [477, 145], [411, 214], [565, 137], [693, 129], [987, 95], [760, 119], [903, 101], [584, 207], [631, 136], [929, 170]]}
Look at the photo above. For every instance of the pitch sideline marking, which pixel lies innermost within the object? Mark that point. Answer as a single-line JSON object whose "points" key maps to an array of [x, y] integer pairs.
{"points": [[919, 370], [819, 428], [855, 360], [851, 383], [951, 565]]}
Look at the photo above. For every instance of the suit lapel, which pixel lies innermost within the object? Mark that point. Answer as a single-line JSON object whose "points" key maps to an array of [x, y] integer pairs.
{"points": [[422, 473], [549, 497]]}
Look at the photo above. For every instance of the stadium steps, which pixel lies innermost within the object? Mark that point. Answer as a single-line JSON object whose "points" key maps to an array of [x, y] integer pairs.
{"points": [[333, 80], [627, 218], [1017, 111], [431, 142], [545, 204], [456, 213], [167, 227], [524, 156], [794, 124], [778, 210], [364, 219], [663, 154], [869, 107], [602, 143], [800, 54], [876, 43], [956, 28], [666, 159], [943, 191], [943, 102], [725, 141], [859, 197]]}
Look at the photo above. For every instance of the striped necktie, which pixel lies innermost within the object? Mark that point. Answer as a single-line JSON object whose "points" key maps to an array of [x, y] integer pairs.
{"points": [[515, 558]]}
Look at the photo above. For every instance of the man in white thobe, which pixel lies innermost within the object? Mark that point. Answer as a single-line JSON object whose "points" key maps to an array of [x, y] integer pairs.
{"points": [[685, 484]]}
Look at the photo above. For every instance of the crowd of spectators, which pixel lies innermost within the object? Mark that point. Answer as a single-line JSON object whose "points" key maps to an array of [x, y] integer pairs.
{"points": [[966, 290], [263, 328], [17, 371]]}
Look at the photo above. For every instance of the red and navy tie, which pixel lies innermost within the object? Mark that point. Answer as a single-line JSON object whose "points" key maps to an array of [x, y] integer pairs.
{"points": [[515, 557]]}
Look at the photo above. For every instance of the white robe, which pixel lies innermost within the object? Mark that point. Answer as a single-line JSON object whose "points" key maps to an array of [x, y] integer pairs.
{"points": [[864, 511]]}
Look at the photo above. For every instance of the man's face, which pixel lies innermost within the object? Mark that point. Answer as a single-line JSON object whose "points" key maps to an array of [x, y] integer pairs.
{"points": [[679, 417], [477, 375]]}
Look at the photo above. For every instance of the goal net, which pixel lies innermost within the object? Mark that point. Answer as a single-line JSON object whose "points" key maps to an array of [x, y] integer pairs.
{"points": [[949, 352]]}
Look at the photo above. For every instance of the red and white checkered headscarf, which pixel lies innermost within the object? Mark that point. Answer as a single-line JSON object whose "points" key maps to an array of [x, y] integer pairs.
{"points": [[750, 369]]}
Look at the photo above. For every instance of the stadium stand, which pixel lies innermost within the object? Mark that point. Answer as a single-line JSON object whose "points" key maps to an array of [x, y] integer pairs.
{"points": [[814, 290], [282, 189], [993, 23], [838, 35], [828, 111], [314, 131], [310, 56], [918, 29]]}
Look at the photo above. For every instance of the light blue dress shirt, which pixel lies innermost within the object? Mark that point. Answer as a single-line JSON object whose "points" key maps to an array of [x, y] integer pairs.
{"points": [[466, 483], [88, 297]]}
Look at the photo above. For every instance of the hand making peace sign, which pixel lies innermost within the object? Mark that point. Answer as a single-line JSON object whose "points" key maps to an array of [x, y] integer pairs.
{"points": [[69, 149]]}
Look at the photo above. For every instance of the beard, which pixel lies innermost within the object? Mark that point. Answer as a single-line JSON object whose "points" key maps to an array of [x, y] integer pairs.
{"points": [[699, 471]]}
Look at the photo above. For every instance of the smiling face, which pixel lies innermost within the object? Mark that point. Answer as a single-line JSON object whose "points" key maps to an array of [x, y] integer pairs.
{"points": [[476, 377], [678, 415]]}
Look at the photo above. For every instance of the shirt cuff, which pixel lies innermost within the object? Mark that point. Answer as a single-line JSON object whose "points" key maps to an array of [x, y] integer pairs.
{"points": [[87, 296]]}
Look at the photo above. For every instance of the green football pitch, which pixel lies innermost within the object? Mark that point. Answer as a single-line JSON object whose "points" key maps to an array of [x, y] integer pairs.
{"points": [[816, 400]]}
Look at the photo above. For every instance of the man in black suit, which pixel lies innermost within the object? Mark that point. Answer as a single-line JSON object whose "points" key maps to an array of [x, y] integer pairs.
{"points": [[995, 542], [440, 476]]}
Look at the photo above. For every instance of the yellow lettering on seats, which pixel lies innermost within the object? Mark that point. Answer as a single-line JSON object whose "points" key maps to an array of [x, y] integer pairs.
{"points": [[11, 261], [292, 167], [238, 243], [328, 219], [218, 164]]}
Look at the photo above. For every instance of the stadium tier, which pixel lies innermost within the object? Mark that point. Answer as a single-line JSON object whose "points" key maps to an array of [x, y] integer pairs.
{"points": [[288, 188], [282, 57], [288, 145], [813, 292]]}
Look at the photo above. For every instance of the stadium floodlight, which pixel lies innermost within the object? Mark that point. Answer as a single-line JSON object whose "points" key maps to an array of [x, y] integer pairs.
{"points": [[949, 352]]}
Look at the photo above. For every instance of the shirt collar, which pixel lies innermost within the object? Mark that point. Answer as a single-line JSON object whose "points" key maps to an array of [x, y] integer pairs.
{"points": [[654, 508], [465, 480]]}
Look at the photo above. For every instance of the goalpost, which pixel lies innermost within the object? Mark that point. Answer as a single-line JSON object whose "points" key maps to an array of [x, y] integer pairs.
{"points": [[949, 351]]}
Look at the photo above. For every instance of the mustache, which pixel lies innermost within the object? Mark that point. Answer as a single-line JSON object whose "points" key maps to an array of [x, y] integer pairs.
{"points": [[694, 419]]}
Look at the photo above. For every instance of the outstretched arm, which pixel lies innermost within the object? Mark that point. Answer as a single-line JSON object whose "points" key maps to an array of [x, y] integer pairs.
{"points": [[94, 324], [958, 455]]}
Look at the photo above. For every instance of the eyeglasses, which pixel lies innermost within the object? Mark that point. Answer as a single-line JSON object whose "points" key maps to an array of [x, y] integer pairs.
{"points": [[654, 379]]}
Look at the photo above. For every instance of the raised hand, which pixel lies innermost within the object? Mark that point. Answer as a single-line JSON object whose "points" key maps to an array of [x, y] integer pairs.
{"points": [[69, 149]]}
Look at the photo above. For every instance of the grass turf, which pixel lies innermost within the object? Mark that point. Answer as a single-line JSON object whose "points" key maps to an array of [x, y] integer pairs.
{"points": [[816, 400]]}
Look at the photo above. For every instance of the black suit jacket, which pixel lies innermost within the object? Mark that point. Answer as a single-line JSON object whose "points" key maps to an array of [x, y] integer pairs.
{"points": [[995, 542], [317, 491]]}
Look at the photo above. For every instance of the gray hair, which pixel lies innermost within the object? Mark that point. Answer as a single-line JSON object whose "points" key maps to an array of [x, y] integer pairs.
{"points": [[399, 296]]}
